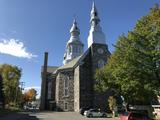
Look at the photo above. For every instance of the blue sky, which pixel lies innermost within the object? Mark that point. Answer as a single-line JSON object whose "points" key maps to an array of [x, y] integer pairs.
{"points": [[28, 28]]}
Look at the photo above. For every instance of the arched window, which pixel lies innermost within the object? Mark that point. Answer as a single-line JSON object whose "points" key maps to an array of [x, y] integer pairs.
{"points": [[66, 85], [101, 63], [69, 49], [49, 90]]}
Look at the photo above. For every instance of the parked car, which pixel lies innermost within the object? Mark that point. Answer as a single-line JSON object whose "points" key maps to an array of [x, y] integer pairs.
{"points": [[83, 109], [134, 116], [95, 113], [30, 107]]}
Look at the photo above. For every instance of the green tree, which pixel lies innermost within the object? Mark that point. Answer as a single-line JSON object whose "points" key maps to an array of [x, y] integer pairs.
{"points": [[11, 76], [134, 68]]}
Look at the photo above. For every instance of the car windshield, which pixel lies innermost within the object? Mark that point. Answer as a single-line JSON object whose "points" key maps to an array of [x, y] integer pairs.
{"points": [[94, 110]]}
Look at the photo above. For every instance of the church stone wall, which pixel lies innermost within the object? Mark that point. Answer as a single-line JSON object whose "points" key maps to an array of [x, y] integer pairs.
{"points": [[62, 99], [81, 83], [86, 82], [77, 89], [53, 89], [96, 56], [57, 90], [99, 98]]}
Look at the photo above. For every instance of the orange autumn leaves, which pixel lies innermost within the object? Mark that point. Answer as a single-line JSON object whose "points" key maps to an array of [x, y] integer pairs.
{"points": [[30, 95]]}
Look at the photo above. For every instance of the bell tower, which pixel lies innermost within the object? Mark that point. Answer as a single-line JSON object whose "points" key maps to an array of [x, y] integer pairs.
{"points": [[99, 54], [74, 47], [95, 34]]}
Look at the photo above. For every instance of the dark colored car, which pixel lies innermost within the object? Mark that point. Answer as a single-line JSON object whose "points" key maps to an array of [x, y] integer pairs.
{"points": [[134, 116], [83, 109]]}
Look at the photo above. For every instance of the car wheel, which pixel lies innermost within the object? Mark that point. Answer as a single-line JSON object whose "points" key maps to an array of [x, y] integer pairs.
{"points": [[90, 115], [104, 115]]}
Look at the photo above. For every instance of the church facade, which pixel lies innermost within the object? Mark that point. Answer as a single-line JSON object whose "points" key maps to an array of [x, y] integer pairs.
{"points": [[71, 86]]}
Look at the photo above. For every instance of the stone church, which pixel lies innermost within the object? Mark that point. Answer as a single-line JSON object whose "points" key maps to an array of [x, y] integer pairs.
{"points": [[71, 86]]}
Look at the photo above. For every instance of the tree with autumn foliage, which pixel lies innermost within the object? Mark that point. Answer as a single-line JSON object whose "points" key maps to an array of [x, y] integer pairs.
{"points": [[133, 69], [112, 104], [10, 79], [30, 95]]}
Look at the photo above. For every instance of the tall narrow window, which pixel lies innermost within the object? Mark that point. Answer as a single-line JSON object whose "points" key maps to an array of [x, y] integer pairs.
{"points": [[49, 90], [70, 50], [65, 106], [66, 85]]}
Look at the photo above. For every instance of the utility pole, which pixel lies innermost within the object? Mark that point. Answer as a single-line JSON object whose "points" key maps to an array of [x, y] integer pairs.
{"points": [[22, 85]]}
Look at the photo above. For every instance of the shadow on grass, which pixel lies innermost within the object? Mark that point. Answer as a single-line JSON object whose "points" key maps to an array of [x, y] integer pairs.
{"points": [[18, 116]]}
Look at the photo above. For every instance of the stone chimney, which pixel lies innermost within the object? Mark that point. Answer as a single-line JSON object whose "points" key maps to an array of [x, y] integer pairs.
{"points": [[43, 82]]}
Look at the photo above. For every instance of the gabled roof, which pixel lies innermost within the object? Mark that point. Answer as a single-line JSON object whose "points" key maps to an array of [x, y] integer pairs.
{"points": [[70, 64], [74, 62], [50, 69]]}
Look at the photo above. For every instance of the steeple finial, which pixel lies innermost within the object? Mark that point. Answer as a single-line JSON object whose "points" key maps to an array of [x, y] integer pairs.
{"points": [[74, 19], [94, 14], [74, 27], [94, 7]]}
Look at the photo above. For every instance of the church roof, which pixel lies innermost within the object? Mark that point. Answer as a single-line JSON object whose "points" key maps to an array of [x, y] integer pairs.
{"points": [[70, 64], [50, 69], [74, 62]]}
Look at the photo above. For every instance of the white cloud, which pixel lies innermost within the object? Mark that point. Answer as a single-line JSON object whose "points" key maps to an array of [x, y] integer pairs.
{"points": [[15, 48]]}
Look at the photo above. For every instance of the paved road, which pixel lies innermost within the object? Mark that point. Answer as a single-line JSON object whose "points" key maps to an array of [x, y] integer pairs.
{"points": [[50, 116], [19, 116]]}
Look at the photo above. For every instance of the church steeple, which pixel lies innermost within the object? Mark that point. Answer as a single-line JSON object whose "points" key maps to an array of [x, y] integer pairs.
{"points": [[95, 34], [74, 47], [74, 29], [94, 20]]}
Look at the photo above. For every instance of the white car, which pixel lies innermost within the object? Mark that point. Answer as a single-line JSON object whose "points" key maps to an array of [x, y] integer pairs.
{"points": [[94, 113]]}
